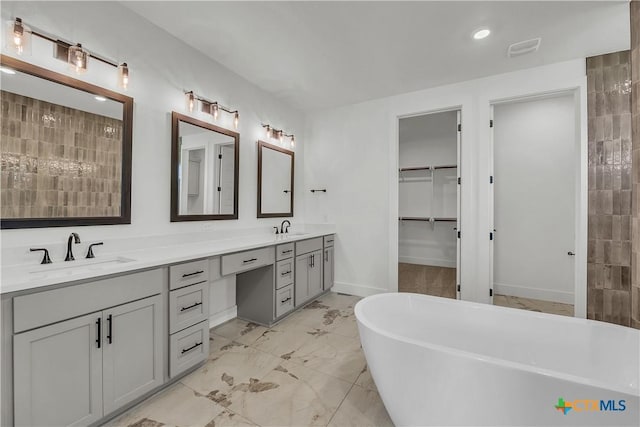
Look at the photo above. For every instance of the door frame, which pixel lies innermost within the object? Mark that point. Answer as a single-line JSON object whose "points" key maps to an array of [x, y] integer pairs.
{"points": [[395, 176], [581, 194]]}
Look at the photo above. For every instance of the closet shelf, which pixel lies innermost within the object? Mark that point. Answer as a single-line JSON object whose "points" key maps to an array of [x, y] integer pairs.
{"points": [[428, 168], [426, 219]]}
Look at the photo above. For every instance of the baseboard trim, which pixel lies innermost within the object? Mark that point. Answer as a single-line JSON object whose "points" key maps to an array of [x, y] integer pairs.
{"points": [[541, 294], [357, 290], [433, 262], [223, 316]]}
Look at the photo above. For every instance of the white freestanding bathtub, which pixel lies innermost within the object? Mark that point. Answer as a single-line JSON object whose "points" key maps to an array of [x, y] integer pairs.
{"points": [[442, 362]]}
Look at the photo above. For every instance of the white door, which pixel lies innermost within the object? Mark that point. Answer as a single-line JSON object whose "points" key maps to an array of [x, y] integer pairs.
{"points": [[534, 188]]}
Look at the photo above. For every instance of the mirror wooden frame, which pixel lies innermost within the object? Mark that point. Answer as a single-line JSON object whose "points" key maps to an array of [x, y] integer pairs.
{"points": [[127, 138], [261, 146], [176, 118]]}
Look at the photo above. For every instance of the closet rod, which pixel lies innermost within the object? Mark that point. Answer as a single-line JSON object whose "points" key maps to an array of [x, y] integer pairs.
{"points": [[422, 168], [425, 219]]}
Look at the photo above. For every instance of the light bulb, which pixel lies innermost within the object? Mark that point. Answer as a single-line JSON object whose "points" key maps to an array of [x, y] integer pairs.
{"points": [[123, 75], [293, 140], [214, 109], [236, 120]]}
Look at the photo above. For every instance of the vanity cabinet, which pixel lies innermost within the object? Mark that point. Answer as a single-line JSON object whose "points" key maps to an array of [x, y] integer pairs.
{"points": [[75, 371]]}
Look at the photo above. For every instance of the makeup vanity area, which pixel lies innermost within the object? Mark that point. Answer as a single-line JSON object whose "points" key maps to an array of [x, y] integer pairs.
{"points": [[85, 339]]}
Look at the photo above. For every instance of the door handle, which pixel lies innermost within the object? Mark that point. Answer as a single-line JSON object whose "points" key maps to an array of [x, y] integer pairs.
{"points": [[99, 335], [571, 253], [110, 329], [326, 256]]}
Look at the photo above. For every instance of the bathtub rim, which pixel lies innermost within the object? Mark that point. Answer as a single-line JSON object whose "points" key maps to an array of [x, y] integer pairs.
{"points": [[633, 391]]}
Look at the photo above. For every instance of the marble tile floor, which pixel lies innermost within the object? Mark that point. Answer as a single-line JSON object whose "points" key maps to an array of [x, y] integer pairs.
{"points": [[308, 370]]}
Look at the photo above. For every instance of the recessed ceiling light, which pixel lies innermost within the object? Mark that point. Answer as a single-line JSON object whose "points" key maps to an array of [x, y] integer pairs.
{"points": [[481, 33], [100, 98], [7, 70]]}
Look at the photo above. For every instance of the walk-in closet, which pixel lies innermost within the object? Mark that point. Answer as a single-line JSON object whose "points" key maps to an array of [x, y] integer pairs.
{"points": [[429, 204]]}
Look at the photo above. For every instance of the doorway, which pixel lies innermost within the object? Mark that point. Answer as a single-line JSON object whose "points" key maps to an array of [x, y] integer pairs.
{"points": [[534, 186], [429, 204]]}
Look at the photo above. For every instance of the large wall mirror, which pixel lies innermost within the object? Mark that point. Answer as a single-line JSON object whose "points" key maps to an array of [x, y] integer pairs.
{"points": [[204, 170], [275, 181], [65, 152]]}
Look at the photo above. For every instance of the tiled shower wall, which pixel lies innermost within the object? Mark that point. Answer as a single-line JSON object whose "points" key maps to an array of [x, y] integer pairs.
{"points": [[57, 161], [610, 186], [635, 95]]}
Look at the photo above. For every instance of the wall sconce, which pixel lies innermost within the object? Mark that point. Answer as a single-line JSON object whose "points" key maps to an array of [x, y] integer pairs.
{"points": [[272, 132], [18, 39], [210, 107]]}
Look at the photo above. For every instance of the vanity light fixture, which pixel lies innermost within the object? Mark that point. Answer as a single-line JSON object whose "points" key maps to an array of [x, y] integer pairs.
{"points": [[210, 107], [280, 134], [18, 39]]}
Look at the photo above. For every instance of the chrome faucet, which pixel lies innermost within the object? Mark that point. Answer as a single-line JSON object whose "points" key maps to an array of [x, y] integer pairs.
{"points": [[285, 230], [73, 237]]}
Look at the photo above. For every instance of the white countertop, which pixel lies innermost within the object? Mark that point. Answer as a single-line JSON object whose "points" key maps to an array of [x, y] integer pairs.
{"points": [[24, 277]]}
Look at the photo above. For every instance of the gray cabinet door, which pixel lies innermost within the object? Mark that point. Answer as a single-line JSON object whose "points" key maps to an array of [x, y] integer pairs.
{"points": [[315, 274], [303, 263], [57, 374], [329, 268], [132, 355]]}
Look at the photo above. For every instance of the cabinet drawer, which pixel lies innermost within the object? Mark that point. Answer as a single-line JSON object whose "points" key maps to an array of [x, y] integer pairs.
{"points": [[284, 251], [328, 241], [188, 306], [188, 273], [188, 348], [309, 245], [284, 300], [284, 273], [248, 260]]}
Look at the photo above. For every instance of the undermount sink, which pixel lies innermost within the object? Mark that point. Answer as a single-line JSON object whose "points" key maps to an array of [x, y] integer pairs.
{"points": [[70, 268], [295, 234]]}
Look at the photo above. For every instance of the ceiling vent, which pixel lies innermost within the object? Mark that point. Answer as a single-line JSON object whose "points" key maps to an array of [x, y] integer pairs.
{"points": [[522, 48]]}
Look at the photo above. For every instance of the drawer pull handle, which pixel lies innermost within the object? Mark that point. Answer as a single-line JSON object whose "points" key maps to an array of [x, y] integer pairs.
{"points": [[329, 241], [193, 274], [186, 350], [191, 306], [246, 261], [285, 273], [285, 300], [287, 251]]}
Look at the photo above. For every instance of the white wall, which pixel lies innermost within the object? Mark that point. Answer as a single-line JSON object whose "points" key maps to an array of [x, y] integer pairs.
{"points": [[161, 69], [428, 140], [534, 192], [355, 155]]}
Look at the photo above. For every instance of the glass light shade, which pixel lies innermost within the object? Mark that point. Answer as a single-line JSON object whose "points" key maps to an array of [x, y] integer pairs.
{"points": [[190, 100], [236, 120], [293, 141], [78, 58], [17, 37], [123, 75], [214, 110]]}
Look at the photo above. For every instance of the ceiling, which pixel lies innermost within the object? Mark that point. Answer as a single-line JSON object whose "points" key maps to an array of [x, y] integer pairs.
{"points": [[319, 54]]}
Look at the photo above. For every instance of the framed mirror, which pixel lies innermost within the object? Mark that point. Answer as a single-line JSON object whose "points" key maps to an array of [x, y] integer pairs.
{"points": [[204, 170], [65, 152], [275, 181]]}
